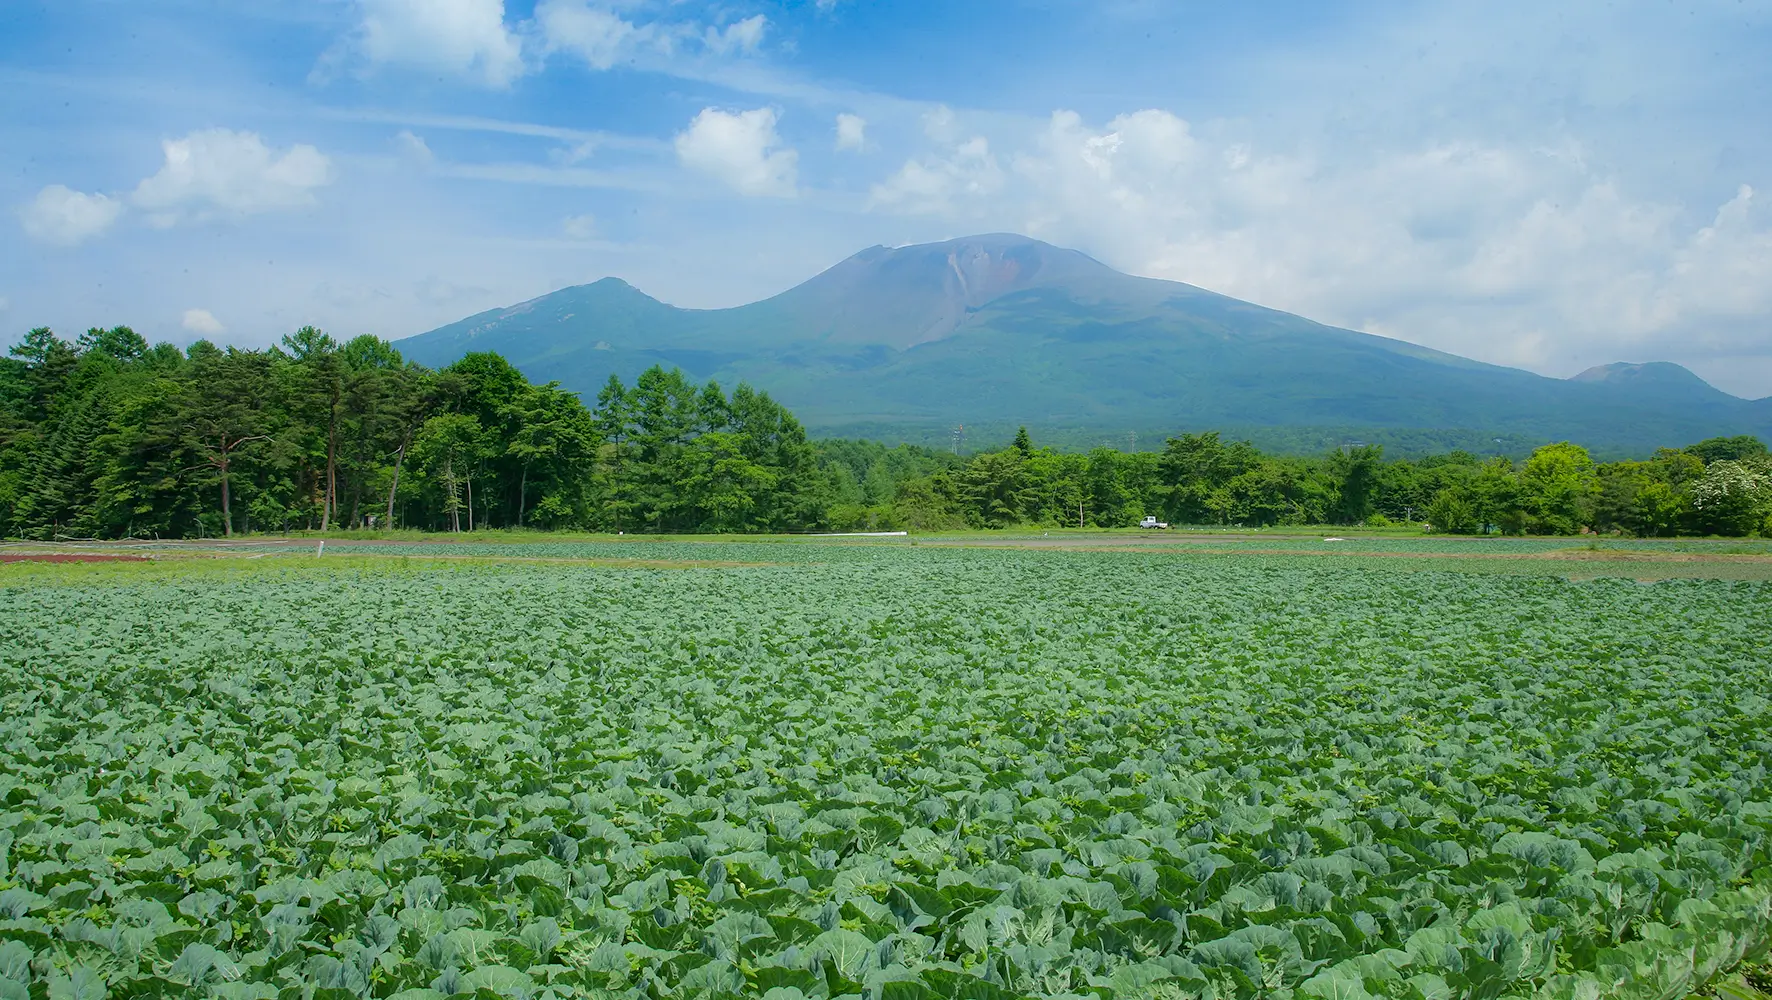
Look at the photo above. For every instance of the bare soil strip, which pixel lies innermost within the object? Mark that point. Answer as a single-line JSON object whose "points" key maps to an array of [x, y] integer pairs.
{"points": [[1553, 555], [68, 557]]}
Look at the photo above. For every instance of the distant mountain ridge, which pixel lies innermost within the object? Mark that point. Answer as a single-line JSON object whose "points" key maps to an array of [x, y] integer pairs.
{"points": [[999, 329]]}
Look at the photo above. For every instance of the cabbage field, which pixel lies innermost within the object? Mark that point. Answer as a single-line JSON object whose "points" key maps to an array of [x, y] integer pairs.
{"points": [[885, 772]]}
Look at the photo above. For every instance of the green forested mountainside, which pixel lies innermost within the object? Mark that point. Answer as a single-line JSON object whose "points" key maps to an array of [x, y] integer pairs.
{"points": [[907, 772], [999, 331], [108, 437]]}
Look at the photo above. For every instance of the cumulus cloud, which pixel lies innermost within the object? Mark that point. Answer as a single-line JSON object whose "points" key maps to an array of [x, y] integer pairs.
{"points": [[740, 148], [61, 216], [579, 227], [203, 323], [852, 131], [223, 173], [459, 37], [1525, 256], [1724, 268], [739, 36]]}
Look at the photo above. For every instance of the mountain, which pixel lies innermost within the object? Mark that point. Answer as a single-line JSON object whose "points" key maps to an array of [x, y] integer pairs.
{"points": [[998, 330], [1660, 377]]}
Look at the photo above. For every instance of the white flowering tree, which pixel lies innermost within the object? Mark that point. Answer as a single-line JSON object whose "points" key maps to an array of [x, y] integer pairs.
{"points": [[1733, 498]]}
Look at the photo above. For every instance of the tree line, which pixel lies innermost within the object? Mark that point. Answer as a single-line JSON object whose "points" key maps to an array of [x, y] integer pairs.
{"points": [[1721, 486], [108, 437]]}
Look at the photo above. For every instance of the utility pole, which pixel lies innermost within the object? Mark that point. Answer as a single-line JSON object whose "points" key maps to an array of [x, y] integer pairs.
{"points": [[959, 438], [1134, 436]]}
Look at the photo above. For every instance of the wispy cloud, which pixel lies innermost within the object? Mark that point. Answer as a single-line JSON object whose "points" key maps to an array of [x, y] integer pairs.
{"points": [[596, 35], [546, 175], [470, 123], [579, 227]]}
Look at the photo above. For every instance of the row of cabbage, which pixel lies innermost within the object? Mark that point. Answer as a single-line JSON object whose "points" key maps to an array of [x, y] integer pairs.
{"points": [[924, 774]]}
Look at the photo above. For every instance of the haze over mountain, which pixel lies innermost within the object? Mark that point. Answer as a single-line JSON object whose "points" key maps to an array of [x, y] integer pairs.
{"points": [[997, 330]]}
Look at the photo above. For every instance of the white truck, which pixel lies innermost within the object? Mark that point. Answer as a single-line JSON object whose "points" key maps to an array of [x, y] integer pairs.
{"points": [[1152, 522]]}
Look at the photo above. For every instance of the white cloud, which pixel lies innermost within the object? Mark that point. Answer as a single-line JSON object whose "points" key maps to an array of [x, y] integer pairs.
{"points": [[203, 322], [940, 124], [740, 148], [599, 37], [460, 37], [414, 149], [740, 36], [852, 131], [1509, 254], [957, 183], [1725, 269], [222, 173], [473, 38], [574, 153], [579, 227], [64, 217]]}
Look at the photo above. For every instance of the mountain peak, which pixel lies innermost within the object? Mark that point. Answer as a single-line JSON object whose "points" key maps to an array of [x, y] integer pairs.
{"points": [[909, 295], [1652, 375], [610, 287]]}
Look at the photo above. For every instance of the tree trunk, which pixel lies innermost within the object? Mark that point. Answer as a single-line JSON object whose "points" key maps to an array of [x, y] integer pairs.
{"points": [[227, 514], [399, 457], [452, 501], [470, 480], [327, 508], [522, 489]]}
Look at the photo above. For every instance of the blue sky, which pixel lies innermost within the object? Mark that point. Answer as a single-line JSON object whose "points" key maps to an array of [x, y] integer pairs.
{"points": [[1549, 188]]}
